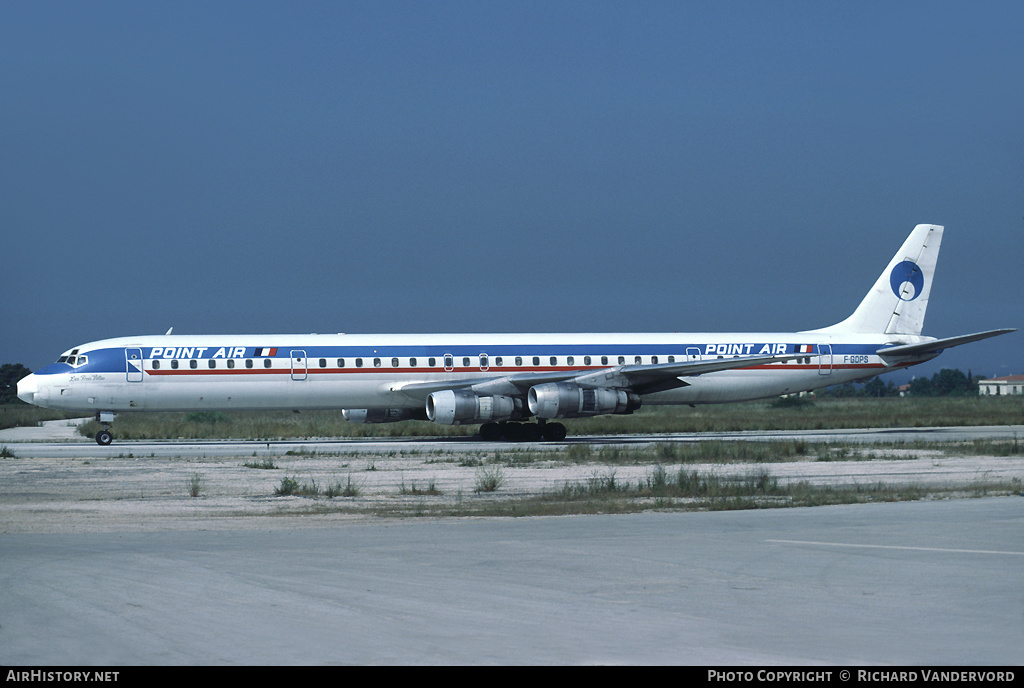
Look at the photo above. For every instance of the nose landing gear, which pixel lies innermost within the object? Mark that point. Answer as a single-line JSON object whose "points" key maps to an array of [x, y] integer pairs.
{"points": [[104, 437]]}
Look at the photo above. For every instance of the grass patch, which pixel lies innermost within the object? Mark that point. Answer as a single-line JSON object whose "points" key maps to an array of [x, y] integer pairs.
{"points": [[26, 416], [349, 489], [823, 412], [195, 485], [265, 465], [489, 478], [430, 490]]}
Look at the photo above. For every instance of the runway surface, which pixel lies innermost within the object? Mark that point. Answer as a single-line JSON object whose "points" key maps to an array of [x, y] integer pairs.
{"points": [[106, 560], [38, 442], [901, 583]]}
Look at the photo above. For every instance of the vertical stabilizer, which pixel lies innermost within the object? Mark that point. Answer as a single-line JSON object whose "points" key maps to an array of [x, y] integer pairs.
{"points": [[897, 302]]}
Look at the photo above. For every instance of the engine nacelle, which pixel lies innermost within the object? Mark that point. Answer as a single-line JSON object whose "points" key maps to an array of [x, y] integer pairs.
{"points": [[381, 415], [453, 407], [569, 400]]}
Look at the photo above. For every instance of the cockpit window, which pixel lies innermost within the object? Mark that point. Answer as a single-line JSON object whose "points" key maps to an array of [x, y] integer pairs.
{"points": [[73, 359]]}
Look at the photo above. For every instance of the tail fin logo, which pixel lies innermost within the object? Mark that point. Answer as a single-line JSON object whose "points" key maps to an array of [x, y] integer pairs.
{"points": [[907, 280]]}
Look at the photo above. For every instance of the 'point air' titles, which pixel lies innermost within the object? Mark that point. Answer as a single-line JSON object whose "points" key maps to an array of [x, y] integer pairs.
{"points": [[186, 352], [747, 349]]}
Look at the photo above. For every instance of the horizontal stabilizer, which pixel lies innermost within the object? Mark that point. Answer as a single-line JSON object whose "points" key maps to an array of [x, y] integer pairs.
{"points": [[939, 344]]}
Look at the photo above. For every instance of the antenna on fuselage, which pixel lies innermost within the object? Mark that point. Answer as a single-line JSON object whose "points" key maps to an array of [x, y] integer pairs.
{"points": [[168, 331]]}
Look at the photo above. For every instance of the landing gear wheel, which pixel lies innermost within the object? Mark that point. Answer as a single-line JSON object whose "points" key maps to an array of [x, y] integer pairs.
{"points": [[513, 432], [531, 432], [490, 432], [554, 432], [103, 437]]}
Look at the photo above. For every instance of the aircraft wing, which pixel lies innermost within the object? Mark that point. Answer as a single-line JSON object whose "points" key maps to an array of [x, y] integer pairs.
{"points": [[642, 379], [658, 377], [939, 344]]}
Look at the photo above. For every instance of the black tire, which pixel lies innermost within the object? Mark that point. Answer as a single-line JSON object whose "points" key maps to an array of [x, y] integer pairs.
{"points": [[531, 432], [513, 432], [554, 432], [103, 438], [490, 432]]}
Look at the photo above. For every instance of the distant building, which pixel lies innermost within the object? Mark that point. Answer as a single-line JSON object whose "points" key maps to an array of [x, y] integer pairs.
{"points": [[1001, 386]]}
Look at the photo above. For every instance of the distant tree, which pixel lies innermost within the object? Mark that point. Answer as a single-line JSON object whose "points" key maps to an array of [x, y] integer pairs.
{"points": [[10, 373], [872, 388], [921, 387], [847, 389], [947, 382], [876, 388]]}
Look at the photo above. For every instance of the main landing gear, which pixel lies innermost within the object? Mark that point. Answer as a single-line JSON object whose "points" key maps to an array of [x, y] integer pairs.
{"points": [[104, 437], [523, 432]]}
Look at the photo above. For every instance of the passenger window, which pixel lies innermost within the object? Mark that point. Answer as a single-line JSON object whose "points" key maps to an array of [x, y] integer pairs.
{"points": [[359, 363], [376, 363], [622, 360], [654, 359], [536, 360], [586, 360], [341, 362], [637, 360], [248, 363], [465, 361], [193, 364], [394, 362], [156, 365], [519, 360], [431, 362], [174, 364], [671, 359], [412, 362], [604, 360], [213, 363], [266, 363], [323, 362], [570, 360], [554, 360], [231, 363], [498, 361]]}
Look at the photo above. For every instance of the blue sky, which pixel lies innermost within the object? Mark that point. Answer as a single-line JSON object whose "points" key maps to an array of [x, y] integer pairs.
{"points": [[267, 167]]}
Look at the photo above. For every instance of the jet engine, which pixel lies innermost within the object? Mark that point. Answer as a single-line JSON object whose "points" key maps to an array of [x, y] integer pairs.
{"points": [[569, 400], [453, 407], [382, 415]]}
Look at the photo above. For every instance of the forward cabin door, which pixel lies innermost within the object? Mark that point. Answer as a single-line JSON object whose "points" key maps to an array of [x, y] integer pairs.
{"points": [[133, 357], [298, 364]]}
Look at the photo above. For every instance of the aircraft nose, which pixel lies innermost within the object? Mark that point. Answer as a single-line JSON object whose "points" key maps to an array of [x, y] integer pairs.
{"points": [[27, 388]]}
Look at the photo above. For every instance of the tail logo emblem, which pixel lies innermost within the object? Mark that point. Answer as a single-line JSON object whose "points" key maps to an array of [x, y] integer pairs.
{"points": [[907, 280]]}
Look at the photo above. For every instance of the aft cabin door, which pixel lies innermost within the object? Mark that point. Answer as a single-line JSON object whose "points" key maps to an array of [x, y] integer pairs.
{"points": [[133, 357], [298, 364], [824, 359]]}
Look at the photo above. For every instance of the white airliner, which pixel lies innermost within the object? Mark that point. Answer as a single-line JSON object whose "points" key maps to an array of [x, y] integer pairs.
{"points": [[499, 379]]}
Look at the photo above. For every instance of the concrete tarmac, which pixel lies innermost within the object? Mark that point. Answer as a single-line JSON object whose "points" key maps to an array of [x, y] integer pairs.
{"points": [[921, 583], [56, 439]]}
